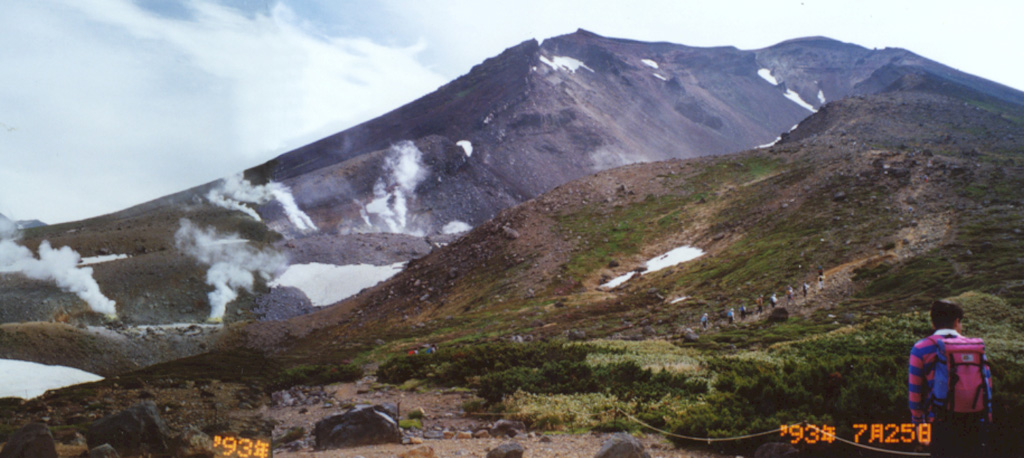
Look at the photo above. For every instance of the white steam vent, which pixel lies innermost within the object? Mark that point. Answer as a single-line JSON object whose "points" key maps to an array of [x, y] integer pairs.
{"points": [[236, 191], [403, 171], [232, 264], [57, 265]]}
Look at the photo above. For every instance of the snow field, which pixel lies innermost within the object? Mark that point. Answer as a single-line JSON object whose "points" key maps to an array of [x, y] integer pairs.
{"points": [[25, 379], [326, 284], [650, 63], [767, 75], [659, 77], [566, 63], [791, 95], [467, 146], [676, 256]]}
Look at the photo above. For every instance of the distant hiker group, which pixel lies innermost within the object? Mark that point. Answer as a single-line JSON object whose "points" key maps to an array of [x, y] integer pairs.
{"points": [[772, 299]]}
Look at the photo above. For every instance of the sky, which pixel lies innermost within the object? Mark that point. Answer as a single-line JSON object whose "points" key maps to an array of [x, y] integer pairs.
{"points": [[105, 104]]}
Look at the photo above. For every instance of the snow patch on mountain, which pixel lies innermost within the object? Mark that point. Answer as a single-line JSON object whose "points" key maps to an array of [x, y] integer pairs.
{"points": [[659, 77], [565, 63], [326, 284], [467, 146], [792, 95], [26, 379], [101, 259], [678, 255], [650, 63], [456, 227], [767, 75], [821, 96]]}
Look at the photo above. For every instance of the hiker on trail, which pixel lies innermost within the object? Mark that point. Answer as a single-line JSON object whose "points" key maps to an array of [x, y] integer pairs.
{"points": [[789, 295], [950, 386], [731, 316], [704, 321], [806, 287], [821, 278], [743, 312], [773, 300], [760, 304]]}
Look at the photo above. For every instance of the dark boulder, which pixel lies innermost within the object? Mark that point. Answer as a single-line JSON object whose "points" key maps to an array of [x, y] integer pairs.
{"points": [[508, 450], [778, 315], [104, 451], [690, 336], [776, 450], [31, 441], [622, 445], [363, 425], [137, 430]]}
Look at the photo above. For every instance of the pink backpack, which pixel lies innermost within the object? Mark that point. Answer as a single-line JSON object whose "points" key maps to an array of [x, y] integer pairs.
{"points": [[959, 382]]}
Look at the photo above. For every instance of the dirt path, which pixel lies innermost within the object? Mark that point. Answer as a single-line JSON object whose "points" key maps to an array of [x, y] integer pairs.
{"points": [[442, 412]]}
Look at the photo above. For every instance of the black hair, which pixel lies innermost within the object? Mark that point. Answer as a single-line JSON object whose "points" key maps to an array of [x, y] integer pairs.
{"points": [[944, 314]]}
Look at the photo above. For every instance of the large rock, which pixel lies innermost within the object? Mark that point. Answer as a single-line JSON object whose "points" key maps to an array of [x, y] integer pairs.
{"points": [[778, 315], [510, 428], [422, 451], [776, 450], [104, 451], [622, 445], [690, 336], [31, 441], [363, 425], [137, 430], [507, 450]]}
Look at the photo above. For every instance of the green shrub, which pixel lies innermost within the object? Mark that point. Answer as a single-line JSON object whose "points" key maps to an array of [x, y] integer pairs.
{"points": [[311, 375], [409, 424]]}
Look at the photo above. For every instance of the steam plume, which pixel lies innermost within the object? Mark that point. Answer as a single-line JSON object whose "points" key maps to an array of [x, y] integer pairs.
{"points": [[59, 266], [236, 191], [232, 263], [403, 171]]}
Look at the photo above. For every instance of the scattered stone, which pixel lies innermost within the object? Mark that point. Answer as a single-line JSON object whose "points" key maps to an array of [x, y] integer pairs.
{"points": [[137, 430], [690, 336], [464, 435], [507, 450], [481, 434], [545, 439], [778, 315], [576, 334], [415, 440], [31, 441], [196, 443], [104, 451], [649, 331], [510, 428], [776, 450], [447, 435], [622, 445], [839, 196], [419, 452], [362, 425]]}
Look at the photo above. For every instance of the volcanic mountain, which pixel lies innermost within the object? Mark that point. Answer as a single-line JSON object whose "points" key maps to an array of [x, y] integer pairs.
{"points": [[520, 124]]}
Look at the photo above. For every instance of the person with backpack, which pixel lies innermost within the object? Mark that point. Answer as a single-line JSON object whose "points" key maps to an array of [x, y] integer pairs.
{"points": [[950, 386], [704, 321], [773, 300], [743, 312], [731, 315], [760, 304]]}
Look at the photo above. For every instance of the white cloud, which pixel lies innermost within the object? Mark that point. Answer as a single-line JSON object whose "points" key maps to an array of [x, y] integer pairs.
{"points": [[101, 97]]}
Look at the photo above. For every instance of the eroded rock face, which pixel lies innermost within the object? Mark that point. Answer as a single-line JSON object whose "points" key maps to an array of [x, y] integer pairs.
{"points": [[136, 430], [364, 425], [31, 441]]}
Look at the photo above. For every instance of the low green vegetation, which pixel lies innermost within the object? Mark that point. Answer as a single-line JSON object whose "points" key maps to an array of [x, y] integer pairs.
{"points": [[316, 374]]}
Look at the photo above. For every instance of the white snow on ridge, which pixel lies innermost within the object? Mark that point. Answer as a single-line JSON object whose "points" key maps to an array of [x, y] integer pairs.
{"points": [[101, 259], [676, 256], [767, 75], [467, 146], [659, 77], [326, 284], [25, 379], [791, 95], [562, 62], [821, 96], [769, 145], [456, 227], [650, 63]]}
